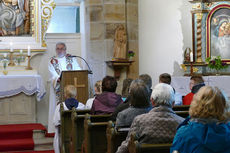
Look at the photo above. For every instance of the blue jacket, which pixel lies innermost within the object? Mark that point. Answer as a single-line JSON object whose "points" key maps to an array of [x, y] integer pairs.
{"points": [[196, 137]]}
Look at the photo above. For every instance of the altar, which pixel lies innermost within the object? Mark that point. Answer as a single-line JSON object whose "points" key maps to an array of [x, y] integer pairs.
{"points": [[18, 96], [181, 83]]}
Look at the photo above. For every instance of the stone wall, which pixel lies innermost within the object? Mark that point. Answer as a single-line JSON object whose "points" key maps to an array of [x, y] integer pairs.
{"points": [[102, 18]]}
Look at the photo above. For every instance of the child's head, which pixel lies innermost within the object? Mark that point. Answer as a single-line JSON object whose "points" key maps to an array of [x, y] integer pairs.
{"points": [[70, 91]]}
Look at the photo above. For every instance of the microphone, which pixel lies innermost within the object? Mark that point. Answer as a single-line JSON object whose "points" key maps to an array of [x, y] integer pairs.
{"points": [[89, 69]]}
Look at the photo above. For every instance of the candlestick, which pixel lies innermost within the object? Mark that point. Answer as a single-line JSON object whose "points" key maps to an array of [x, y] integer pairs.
{"points": [[29, 51], [191, 56], [28, 66], [11, 47], [11, 63]]}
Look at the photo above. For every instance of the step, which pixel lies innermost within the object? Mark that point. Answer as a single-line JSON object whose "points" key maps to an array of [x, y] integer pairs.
{"points": [[37, 134], [41, 142], [16, 144]]}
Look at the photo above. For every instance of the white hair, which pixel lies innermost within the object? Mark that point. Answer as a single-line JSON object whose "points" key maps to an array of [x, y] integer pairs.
{"points": [[61, 43], [163, 94]]}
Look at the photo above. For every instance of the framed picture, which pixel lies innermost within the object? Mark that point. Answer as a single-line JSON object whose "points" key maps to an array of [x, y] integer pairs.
{"points": [[218, 32], [24, 23]]}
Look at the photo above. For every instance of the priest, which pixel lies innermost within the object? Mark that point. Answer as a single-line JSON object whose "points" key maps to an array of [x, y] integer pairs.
{"points": [[61, 62]]}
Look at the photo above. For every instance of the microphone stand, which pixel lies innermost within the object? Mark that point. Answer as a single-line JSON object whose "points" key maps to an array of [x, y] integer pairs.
{"points": [[90, 71]]}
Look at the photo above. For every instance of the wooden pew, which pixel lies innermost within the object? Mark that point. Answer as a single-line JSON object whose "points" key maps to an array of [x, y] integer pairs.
{"points": [[137, 147], [95, 133], [77, 133], [115, 136], [66, 127], [183, 114], [181, 108]]}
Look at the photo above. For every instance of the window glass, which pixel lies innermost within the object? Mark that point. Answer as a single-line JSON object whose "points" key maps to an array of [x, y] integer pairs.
{"points": [[65, 1], [65, 19]]}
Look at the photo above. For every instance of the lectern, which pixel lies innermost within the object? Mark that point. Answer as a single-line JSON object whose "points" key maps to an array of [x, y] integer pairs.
{"points": [[78, 78]]}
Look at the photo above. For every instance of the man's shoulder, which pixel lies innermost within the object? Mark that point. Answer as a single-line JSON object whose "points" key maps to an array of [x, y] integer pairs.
{"points": [[178, 118], [53, 57], [53, 60], [189, 94], [69, 56], [142, 118], [188, 98]]}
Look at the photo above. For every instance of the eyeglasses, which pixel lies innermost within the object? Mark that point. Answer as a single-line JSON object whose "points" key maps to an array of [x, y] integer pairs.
{"points": [[60, 48]]}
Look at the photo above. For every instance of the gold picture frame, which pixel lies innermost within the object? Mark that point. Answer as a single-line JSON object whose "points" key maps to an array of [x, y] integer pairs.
{"points": [[218, 32], [39, 16]]}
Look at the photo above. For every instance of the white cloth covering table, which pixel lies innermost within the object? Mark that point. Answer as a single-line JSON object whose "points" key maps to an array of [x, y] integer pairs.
{"points": [[181, 83], [11, 85]]}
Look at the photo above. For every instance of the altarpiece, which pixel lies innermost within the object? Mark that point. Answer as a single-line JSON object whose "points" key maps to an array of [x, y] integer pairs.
{"points": [[211, 34]]}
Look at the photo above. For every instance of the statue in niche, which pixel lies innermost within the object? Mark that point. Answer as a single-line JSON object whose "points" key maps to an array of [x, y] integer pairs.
{"points": [[14, 17], [120, 43], [187, 55]]}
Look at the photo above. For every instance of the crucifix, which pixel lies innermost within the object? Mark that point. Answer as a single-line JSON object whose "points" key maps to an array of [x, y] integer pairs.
{"points": [[78, 85]]}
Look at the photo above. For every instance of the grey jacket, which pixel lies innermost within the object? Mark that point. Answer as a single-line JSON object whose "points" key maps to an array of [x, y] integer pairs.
{"points": [[125, 117], [157, 126]]}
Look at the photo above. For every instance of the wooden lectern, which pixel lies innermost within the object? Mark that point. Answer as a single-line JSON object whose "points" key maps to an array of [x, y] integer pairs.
{"points": [[78, 78]]}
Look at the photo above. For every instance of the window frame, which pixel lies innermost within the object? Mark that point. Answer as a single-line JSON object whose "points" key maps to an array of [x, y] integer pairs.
{"points": [[73, 4]]}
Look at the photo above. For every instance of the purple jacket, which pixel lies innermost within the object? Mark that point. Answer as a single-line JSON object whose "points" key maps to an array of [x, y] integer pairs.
{"points": [[105, 103]]}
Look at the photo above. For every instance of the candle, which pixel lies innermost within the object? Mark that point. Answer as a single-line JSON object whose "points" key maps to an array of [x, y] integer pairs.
{"points": [[11, 47], [191, 56], [5, 55], [28, 50], [21, 51]]}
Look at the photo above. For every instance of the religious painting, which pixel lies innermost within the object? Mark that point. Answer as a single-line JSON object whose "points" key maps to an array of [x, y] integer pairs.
{"points": [[23, 24], [218, 32], [14, 17]]}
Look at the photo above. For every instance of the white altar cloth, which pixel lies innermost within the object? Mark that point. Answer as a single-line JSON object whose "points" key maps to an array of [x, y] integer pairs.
{"points": [[181, 84], [11, 85]]}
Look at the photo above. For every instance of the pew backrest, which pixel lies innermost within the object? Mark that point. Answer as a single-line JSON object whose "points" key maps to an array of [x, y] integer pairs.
{"points": [[115, 136], [183, 114], [98, 118], [78, 126], [77, 133], [181, 108], [65, 128], [95, 137], [136, 147], [83, 111]]}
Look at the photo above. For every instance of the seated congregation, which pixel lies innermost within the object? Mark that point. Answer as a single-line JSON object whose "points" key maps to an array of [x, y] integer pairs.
{"points": [[144, 120]]}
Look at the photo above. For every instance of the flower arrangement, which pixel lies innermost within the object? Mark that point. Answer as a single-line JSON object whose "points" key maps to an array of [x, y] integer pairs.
{"points": [[216, 63], [131, 53]]}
